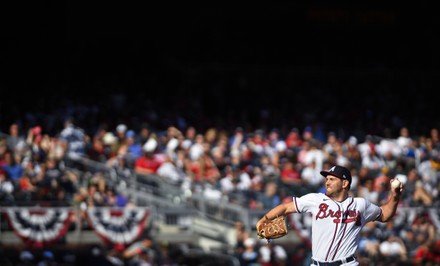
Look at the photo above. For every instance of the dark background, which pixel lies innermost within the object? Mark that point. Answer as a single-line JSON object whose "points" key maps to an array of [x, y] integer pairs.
{"points": [[365, 67]]}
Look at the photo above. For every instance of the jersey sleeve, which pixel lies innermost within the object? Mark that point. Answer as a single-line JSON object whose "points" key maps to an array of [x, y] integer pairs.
{"points": [[372, 211], [305, 203]]}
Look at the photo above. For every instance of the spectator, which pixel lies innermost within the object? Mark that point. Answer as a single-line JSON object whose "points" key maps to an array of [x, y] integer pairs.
{"points": [[97, 151], [144, 133], [114, 199], [267, 167], [6, 189], [170, 172], [15, 141], [373, 161], [122, 163], [368, 191], [73, 140], [272, 254], [276, 147], [250, 256], [393, 249], [341, 158], [293, 141], [270, 198], [387, 230], [134, 147], [290, 178], [415, 193], [424, 229], [241, 234], [219, 153], [121, 130], [369, 243], [330, 147], [311, 177], [149, 162], [428, 253], [201, 167], [12, 166], [352, 152], [196, 149], [315, 155], [411, 244], [236, 139]]}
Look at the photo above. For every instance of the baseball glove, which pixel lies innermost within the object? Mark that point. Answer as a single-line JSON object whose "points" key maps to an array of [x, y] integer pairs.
{"points": [[272, 229]]}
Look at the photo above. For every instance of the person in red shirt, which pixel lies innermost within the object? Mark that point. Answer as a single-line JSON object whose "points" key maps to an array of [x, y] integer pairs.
{"points": [[291, 179], [203, 169], [149, 162], [428, 254]]}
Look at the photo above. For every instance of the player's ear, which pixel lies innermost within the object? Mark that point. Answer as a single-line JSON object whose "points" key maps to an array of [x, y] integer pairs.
{"points": [[345, 184]]}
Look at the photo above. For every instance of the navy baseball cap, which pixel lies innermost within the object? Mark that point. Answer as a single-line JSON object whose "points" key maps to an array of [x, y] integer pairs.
{"points": [[338, 171]]}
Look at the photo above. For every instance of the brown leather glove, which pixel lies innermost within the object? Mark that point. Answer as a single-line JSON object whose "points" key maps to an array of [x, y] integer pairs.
{"points": [[272, 229]]}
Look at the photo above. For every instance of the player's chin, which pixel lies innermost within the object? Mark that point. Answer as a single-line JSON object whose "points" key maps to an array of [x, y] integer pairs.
{"points": [[329, 192]]}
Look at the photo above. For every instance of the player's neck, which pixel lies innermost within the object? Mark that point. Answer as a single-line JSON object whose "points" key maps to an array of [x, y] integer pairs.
{"points": [[341, 200], [339, 197]]}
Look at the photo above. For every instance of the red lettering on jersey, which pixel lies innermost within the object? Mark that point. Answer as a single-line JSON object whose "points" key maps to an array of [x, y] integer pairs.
{"points": [[322, 211], [348, 216]]}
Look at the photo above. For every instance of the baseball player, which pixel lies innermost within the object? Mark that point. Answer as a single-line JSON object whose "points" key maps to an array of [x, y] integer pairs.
{"points": [[337, 217]]}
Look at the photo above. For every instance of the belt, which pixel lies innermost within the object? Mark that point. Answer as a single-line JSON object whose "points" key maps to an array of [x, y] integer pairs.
{"points": [[334, 263]]}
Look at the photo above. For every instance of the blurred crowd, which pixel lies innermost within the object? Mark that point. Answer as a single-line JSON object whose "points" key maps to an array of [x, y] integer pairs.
{"points": [[257, 169]]}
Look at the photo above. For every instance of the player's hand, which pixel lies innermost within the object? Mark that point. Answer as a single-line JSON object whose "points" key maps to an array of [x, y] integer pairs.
{"points": [[396, 187]]}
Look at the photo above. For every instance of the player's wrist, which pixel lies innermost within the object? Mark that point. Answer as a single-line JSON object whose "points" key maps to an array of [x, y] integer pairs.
{"points": [[396, 196]]}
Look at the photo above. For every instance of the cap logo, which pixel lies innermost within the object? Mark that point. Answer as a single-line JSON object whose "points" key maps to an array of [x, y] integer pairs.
{"points": [[333, 169]]}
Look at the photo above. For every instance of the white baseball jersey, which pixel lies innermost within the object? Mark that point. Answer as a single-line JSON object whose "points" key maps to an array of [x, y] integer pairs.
{"points": [[336, 225]]}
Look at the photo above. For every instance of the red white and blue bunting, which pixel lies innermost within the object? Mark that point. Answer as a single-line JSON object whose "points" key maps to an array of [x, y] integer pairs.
{"points": [[39, 227], [118, 226]]}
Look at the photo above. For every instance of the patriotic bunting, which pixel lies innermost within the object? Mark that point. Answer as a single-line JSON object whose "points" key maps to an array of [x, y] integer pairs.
{"points": [[118, 226], [39, 227]]}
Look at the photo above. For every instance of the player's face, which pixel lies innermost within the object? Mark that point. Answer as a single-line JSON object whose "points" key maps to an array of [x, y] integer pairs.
{"points": [[333, 186]]}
